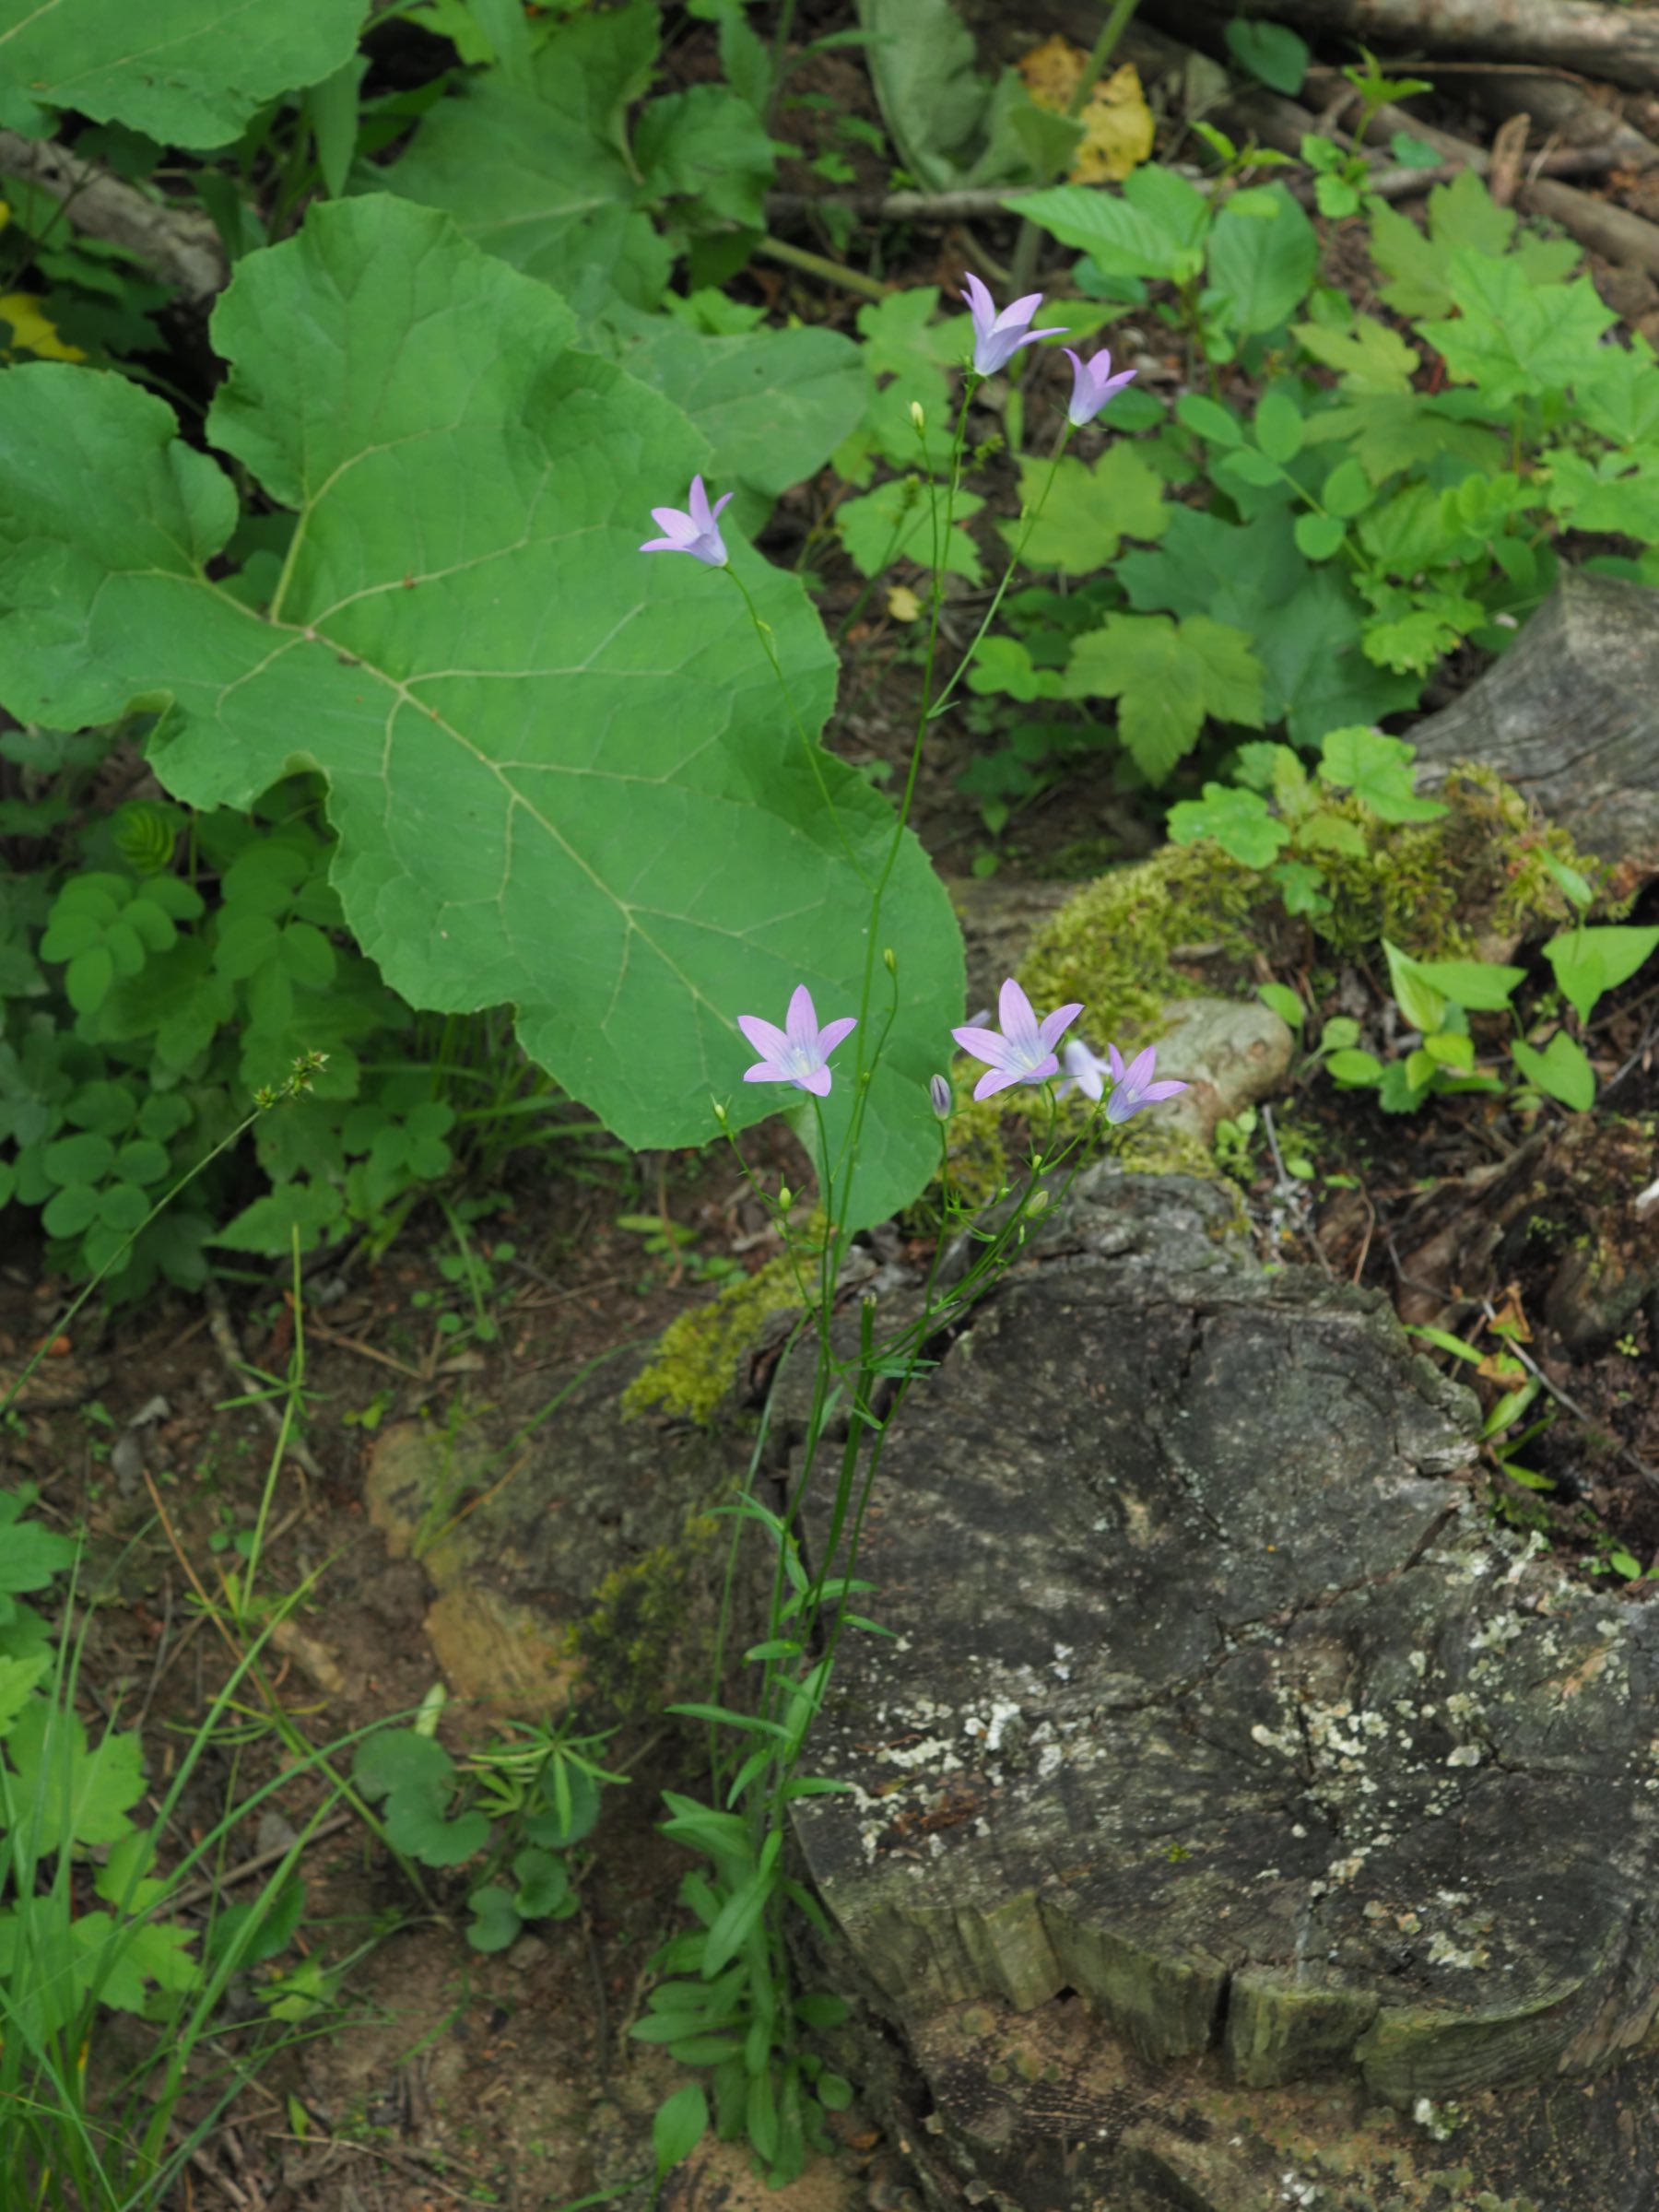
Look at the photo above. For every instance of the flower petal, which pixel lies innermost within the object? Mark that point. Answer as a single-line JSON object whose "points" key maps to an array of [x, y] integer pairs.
{"points": [[1142, 1069], [764, 1072], [727, 498], [677, 524], [801, 1021], [995, 1079], [979, 303], [1020, 313], [833, 1032], [698, 504], [765, 1036], [985, 1044], [1154, 1091], [816, 1080], [1018, 1016], [1115, 1059], [1053, 1026]]}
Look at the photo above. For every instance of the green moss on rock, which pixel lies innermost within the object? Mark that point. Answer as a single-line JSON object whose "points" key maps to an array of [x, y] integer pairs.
{"points": [[649, 1638], [695, 1359]]}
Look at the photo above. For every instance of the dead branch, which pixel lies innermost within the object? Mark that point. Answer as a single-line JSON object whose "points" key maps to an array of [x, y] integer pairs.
{"points": [[1389, 183], [1618, 43], [179, 243]]}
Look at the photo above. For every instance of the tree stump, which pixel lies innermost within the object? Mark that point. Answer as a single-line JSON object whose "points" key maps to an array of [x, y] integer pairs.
{"points": [[1571, 717], [1237, 1804]]}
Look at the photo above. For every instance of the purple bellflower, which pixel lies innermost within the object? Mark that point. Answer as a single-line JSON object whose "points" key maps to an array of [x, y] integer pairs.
{"points": [[1024, 1051], [997, 338], [697, 533], [798, 1053], [941, 1096], [1132, 1086], [1092, 386]]}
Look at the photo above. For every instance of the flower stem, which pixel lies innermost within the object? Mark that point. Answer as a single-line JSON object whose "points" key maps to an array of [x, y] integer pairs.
{"points": [[1032, 517]]}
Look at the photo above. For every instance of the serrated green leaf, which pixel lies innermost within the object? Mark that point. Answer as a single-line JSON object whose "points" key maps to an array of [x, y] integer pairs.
{"points": [[1305, 624], [632, 786], [1154, 228], [1511, 335], [1239, 821], [540, 175], [1562, 1071], [895, 521], [1368, 355], [1090, 509], [187, 78], [1377, 769], [74, 1792], [17, 1680], [1167, 679]]}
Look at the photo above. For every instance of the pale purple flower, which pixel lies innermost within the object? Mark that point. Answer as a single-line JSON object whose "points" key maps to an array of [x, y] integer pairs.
{"points": [[697, 533], [796, 1053], [1132, 1086], [1024, 1051], [939, 1091], [1083, 1071], [997, 338], [1092, 386]]}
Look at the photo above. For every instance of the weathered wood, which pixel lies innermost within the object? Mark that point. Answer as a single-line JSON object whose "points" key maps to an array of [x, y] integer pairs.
{"points": [[1618, 43], [1571, 717], [1218, 1702]]}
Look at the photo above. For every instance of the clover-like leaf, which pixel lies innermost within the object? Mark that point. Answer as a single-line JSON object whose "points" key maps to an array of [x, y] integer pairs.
{"points": [[561, 773]]}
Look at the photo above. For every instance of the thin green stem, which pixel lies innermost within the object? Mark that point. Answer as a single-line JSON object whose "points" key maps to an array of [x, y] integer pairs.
{"points": [[1032, 517], [1024, 246]]}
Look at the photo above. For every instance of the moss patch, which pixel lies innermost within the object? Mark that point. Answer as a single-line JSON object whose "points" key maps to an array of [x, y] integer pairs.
{"points": [[649, 1638], [697, 1356]]}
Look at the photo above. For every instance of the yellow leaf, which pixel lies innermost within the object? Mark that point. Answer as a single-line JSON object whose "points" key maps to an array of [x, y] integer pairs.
{"points": [[32, 332], [1117, 123], [903, 604]]}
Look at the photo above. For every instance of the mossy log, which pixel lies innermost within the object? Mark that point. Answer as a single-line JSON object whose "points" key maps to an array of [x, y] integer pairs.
{"points": [[1221, 1717], [1571, 717]]}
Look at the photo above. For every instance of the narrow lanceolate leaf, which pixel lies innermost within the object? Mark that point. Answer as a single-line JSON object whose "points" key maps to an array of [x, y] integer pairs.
{"points": [[560, 771], [190, 73]]}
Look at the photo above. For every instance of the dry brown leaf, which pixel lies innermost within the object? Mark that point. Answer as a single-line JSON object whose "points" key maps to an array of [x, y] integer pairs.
{"points": [[1117, 123]]}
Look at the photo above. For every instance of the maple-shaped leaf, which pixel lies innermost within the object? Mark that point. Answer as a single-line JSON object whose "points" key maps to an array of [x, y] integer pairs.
{"points": [[1168, 677]]}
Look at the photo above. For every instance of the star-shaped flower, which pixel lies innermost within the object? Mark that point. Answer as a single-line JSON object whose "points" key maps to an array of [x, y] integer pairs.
{"points": [[697, 533], [997, 338], [798, 1053], [1024, 1051], [1132, 1086], [1093, 384]]}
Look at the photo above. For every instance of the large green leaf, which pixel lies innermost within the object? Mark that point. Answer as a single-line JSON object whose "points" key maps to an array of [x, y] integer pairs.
{"points": [[189, 72], [540, 175], [561, 770], [773, 405]]}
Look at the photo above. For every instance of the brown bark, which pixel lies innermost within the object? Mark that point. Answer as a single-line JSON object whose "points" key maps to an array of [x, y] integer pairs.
{"points": [[1618, 43]]}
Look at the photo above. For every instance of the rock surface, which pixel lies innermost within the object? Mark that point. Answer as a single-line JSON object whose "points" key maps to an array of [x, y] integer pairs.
{"points": [[1228, 1742], [1571, 717]]}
